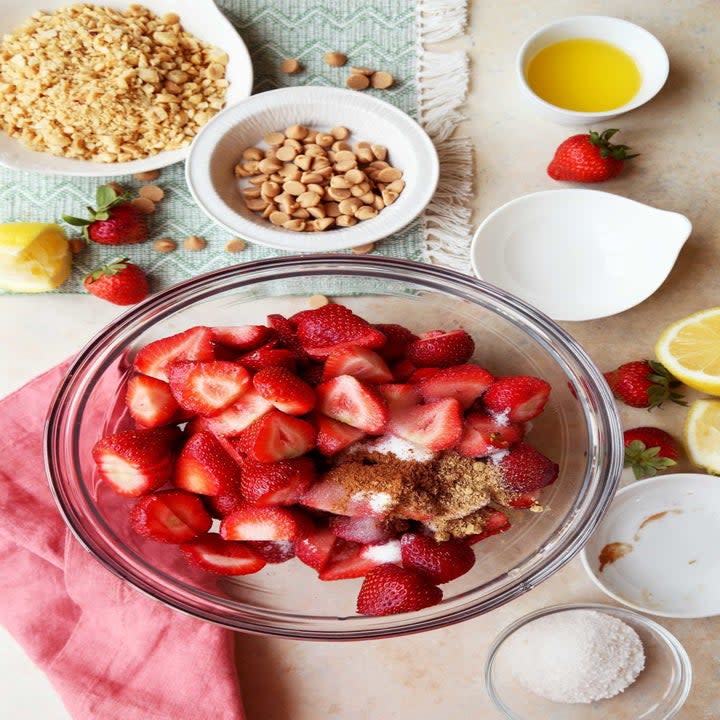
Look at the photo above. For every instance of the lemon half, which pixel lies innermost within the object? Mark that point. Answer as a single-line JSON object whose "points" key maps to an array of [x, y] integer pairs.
{"points": [[34, 257], [690, 350], [702, 434]]}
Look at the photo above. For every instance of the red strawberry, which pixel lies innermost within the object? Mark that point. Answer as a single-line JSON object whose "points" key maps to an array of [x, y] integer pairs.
{"points": [[118, 281], [263, 523], [330, 495], [135, 462], [210, 552], [588, 158], [397, 338], [352, 560], [649, 450], [422, 374], [285, 390], [436, 425], [277, 436], [313, 546], [268, 356], [399, 396], [364, 364], [466, 383], [206, 388], [170, 516], [365, 530], [192, 344], [331, 327], [525, 469], [277, 483], [517, 397], [333, 435], [116, 221], [234, 419], [484, 434], [522, 501], [390, 589], [273, 551], [439, 561], [229, 499], [438, 348], [403, 370], [241, 337], [205, 467], [353, 402], [495, 522], [643, 384], [149, 401], [287, 334]]}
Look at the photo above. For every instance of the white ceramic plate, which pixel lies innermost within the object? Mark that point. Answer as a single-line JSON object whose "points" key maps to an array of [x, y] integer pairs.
{"points": [[576, 254], [199, 17], [658, 547], [218, 147]]}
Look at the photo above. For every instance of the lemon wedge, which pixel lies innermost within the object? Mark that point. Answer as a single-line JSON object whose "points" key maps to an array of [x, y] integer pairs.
{"points": [[702, 434], [34, 257], [690, 349]]}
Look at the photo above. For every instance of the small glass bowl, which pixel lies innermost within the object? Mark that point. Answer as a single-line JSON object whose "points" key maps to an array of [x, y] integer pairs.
{"points": [[658, 693]]}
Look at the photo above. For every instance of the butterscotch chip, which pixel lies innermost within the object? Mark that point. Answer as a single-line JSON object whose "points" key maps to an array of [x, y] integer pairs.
{"points": [[143, 204], [171, 18], [297, 132], [317, 301], [357, 82], [148, 175], [194, 243], [294, 224], [256, 204], [274, 138], [321, 224], [165, 245], [381, 80], [293, 187], [152, 192], [363, 249], [291, 66], [365, 212], [301, 213], [335, 58], [389, 174], [286, 153], [355, 176], [349, 206], [345, 221], [253, 153], [379, 151], [270, 189], [361, 71], [308, 199], [77, 245], [339, 132], [235, 245], [278, 218]]}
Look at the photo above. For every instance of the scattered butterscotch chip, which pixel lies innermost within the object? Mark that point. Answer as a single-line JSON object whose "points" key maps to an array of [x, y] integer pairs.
{"points": [[143, 204], [362, 71], [335, 59], [152, 192], [77, 245], [363, 249], [147, 176], [382, 80], [117, 187], [291, 66], [356, 81], [235, 245], [317, 301], [165, 245], [194, 243]]}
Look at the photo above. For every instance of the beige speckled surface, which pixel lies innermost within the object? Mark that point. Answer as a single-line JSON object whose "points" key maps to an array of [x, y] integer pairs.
{"points": [[438, 674]]}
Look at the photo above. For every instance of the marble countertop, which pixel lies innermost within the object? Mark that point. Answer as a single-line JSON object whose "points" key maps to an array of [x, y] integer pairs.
{"points": [[438, 674]]}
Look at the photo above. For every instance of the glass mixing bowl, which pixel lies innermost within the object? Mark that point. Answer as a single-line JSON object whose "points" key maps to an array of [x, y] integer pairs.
{"points": [[579, 429]]}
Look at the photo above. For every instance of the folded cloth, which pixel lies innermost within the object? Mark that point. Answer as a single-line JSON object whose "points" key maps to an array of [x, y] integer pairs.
{"points": [[111, 653]]}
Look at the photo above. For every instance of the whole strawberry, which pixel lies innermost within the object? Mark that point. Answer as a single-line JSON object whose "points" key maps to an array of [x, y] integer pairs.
{"points": [[649, 450], [115, 221], [589, 157], [119, 281], [643, 384]]}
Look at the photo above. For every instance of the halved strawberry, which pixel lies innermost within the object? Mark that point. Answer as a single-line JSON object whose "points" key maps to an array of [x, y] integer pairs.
{"points": [[522, 501], [399, 396], [241, 338], [234, 419], [435, 426], [524, 469], [277, 483], [365, 530], [206, 388], [264, 523], [277, 436], [210, 552], [397, 338], [352, 560], [518, 397], [353, 402], [495, 522], [268, 356], [441, 349], [273, 551], [285, 390], [465, 382], [205, 467], [360, 362], [422, 374], [170, 516], [287, 334], [403, 370], [226, 501], [439, 561], [196, 343], [313, 546], [150, 402], [333, 435], [330, 495], [135, 462], [390, 589], [484, 434]]}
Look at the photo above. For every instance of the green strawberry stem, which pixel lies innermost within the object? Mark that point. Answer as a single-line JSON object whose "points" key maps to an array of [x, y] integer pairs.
{"points": [[606, 148], [645, 461], [105, 198], [111, 267], [663, 384]]}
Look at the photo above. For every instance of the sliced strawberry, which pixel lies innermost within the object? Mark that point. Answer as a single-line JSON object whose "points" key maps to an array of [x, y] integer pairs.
{"points": [[326, 329], [285, 390], [170, 516], [273, 551], [397, 338], [524, 469], [351, 401], [210, 552], [438, 348], [311, 373], [135, 462], [352, 560], [150, 402], [234, 419], [518, 397], [435, 426], [399, 396], [277, 483], [205, 467], [330, 495], [287, 334], [439, 561], [263, 523], [403, 370], [333, 435], [390, 589], [277, 436], [195, 344], [206, 388], [241, 338], [484, 434], [495, 522], [268, 356], [364, 530], [422, 374], [226, 501], [522, 501], [360, 362], [313, 546], [466, 383]]}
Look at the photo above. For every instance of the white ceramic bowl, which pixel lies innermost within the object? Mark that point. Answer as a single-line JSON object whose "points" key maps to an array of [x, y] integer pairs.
{"points": [[199, 17], [656, 549], [644, 48], [218, 147], [574, 253]]}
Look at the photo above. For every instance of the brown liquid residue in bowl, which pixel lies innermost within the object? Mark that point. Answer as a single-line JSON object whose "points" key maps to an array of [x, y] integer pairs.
{"points": [[612, 552]]}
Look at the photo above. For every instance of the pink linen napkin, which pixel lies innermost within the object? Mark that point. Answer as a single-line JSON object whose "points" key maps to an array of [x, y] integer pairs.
{"points": [[110, 652]]}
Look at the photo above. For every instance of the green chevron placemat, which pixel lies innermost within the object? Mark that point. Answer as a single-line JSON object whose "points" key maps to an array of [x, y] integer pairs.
{"points": [[383, 34]]}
